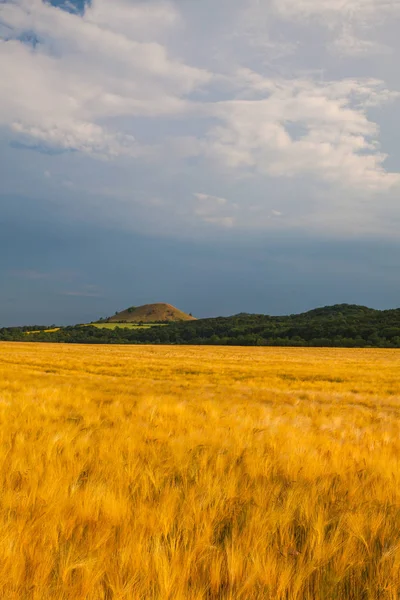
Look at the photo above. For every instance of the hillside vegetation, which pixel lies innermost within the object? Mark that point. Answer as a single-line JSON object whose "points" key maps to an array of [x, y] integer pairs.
{"points": [[150, 313], [339, 326], [199, 473], [112, 325]]}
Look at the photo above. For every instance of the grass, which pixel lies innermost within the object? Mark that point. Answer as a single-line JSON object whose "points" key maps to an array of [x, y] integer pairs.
{"points": [[124, 325], [54, 329], [104, 326], [207, 473]]}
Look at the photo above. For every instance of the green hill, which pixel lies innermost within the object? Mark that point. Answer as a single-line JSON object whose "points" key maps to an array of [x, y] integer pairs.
{"points": [[338, 310]]}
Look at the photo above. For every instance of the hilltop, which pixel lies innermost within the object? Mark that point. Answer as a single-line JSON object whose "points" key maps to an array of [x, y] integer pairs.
{"points": [[150, 313], [341, 310]]}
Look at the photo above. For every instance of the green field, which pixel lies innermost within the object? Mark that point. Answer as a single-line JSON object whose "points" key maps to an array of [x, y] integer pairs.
{"points": [[124, 325]]}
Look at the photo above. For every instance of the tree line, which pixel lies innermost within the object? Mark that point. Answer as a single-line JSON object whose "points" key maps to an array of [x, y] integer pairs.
{"points": [[344, 325]]}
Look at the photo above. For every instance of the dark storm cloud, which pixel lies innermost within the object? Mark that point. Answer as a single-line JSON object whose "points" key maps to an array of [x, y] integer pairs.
{"points": [[223, 157]]}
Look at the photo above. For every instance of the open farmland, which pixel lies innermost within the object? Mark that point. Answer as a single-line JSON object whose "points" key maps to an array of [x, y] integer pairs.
{"points": [[52, 330], [124, 325], [199, 473]]}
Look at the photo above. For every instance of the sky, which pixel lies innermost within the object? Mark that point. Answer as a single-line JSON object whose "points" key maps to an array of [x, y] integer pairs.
{"points": [[224, 156]]}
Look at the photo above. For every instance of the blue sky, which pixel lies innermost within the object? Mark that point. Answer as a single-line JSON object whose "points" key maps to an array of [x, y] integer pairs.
{"points": [[222, 156]]}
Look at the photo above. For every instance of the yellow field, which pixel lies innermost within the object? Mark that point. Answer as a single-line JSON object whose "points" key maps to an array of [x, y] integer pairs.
{"points": [[43, 331], [186, 473], [123, 325]]}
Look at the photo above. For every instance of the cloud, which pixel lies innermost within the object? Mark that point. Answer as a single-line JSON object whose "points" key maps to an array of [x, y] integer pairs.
{"points": [[206, 198], [145, 19], [168, 100], [349, 44], [349, 24], [88, 72], [214, 210], [85, 137], [336, 141], [85, 72], [337, 9]]}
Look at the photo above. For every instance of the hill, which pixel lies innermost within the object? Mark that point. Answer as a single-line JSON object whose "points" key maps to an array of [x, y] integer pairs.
{"points": [[151, 313], [340, 310], [348, 326]]}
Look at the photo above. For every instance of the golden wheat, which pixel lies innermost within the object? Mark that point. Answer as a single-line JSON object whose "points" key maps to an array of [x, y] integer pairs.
{"points": [[188, 473]]}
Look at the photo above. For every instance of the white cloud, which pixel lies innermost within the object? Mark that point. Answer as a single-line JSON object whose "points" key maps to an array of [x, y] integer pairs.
{"points": [[214, 210], [239, 106], [70, 91], [335, 141], [342, 9], [349, 44], [206, 198], [77, 135], [350, 25], [85, 73], [146, 19]]}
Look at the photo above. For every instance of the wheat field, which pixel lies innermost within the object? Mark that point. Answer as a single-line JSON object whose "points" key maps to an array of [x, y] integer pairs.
{"points": [[184, 473]]}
